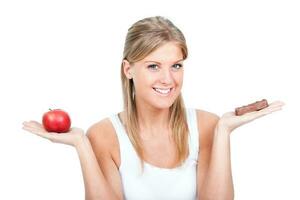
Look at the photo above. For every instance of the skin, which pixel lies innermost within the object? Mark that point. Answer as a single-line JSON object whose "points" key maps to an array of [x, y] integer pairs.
{"points": [[98, 150], [156, 71]]}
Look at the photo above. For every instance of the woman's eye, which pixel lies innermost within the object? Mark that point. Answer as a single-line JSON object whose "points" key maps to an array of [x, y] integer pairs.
{"points": [[153, 67], [177, 66]]}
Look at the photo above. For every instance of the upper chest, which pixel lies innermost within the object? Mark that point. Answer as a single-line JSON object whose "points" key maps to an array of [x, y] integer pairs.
{"points": [[159, 151], [164, 146]]}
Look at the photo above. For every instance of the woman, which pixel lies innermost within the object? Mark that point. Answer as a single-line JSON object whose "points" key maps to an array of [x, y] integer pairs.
{"points": [[156, 148]]}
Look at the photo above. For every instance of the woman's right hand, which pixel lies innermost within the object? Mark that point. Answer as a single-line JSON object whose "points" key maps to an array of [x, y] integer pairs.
{"points": [[73, 137]]}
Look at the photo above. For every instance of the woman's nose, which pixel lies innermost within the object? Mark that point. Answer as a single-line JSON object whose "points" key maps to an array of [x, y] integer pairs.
{"points": [[166, 76]]}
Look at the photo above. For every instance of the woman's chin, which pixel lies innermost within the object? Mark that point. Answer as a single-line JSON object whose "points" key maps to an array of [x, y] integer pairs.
{"points": [[163, 104]]}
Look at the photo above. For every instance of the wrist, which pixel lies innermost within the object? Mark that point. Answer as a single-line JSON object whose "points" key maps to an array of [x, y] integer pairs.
{"points": [[221, 129], [81, 141]]}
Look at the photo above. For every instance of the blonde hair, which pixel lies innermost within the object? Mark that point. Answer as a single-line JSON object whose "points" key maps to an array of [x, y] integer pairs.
{"points": [[144, 37]]}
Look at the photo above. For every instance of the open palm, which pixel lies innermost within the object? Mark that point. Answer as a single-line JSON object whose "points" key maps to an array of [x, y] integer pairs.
{"points": [[69, 138], [231, 121]]}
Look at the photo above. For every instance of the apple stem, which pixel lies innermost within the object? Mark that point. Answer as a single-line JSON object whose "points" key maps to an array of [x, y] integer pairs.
{"points": [[50, 109]]}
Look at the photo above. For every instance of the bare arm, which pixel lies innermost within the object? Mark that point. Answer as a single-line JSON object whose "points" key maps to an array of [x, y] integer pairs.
{"points": [[103, 142], [214, 170], [96, 186], [218, 184], [215, 178]]}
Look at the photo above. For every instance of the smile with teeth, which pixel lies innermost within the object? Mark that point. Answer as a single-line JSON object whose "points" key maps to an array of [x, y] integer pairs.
{"points": [[163, 91]]}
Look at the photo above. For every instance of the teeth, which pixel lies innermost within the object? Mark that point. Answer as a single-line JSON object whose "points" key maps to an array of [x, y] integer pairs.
{"points": [[162, 90]]}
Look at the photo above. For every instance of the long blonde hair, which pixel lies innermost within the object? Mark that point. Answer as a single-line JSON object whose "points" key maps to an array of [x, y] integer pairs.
{"points": [[143, 37]]}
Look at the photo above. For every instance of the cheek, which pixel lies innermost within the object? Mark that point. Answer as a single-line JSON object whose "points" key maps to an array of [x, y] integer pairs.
{"points": [[178, 78], [143, 81]]}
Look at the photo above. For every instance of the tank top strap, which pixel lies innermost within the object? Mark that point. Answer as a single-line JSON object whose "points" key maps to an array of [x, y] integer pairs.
{"points": [[118, 126], [191, 114], [127, 151], [157, 183]]}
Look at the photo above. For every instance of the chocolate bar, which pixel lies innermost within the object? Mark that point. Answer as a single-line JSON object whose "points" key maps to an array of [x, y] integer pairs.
{"points": [[258, 105]]}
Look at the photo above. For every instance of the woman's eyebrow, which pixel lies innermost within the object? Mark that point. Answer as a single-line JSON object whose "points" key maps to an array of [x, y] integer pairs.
{"points": [[160, 63]]}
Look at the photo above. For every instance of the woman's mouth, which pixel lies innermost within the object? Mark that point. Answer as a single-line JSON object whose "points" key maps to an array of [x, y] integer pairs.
{"points": [[163, 91]]}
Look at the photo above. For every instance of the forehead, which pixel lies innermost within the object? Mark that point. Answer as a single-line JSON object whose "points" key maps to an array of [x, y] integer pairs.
{"points": [[168, 52]]}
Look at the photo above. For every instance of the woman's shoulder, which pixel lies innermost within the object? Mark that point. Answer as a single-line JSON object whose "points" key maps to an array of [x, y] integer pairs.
{"points": [[207, 122], [102, 126], [206, 116], [104, 140], [102, 132]]}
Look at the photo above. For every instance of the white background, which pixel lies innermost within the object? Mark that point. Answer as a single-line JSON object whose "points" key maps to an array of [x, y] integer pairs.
{"points": [[67, 54]]}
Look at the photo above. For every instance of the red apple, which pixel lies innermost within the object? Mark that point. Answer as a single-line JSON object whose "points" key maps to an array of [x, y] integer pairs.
{"points": [[56, 120]]}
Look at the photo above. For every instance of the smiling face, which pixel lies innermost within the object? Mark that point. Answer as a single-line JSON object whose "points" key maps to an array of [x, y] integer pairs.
{"points": [[158, 77]]}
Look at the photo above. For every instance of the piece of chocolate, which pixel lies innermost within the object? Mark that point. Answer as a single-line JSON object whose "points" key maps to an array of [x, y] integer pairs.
{"points": [[258, 105]]}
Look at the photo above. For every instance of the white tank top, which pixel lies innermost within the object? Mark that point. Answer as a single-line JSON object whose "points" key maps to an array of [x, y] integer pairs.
{"points": [[157, 183]]}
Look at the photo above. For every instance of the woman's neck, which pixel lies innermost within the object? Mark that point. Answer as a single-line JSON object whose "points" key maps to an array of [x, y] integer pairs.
{"points": [[152, 121]]}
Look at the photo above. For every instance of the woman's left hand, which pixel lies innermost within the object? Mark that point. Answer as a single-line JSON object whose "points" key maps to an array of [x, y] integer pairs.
{"points": [[229, 121]]}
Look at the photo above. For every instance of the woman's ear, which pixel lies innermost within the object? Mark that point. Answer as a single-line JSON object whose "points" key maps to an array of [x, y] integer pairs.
{"points": [[127, 69]]}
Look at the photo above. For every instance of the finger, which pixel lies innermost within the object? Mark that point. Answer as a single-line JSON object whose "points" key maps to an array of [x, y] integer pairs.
{"points": [[274, 105], [257, 114], [37, 132], [277, 103], [271, 110], [35, 129], [32, 130], [34, 125]]}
